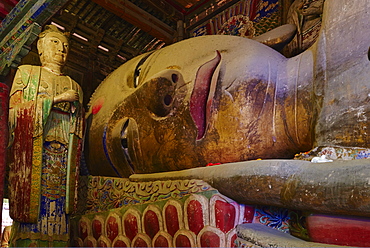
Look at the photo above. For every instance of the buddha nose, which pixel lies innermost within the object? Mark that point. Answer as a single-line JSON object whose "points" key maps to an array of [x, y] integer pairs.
{"points": [[61, 48]]}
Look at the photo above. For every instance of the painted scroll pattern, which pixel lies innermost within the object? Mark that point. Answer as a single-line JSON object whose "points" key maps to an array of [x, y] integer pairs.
{"points": [[108, 193]]}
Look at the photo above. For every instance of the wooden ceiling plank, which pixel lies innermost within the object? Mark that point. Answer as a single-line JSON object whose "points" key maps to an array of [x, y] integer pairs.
{"points": [[210, 15], [91, 14], [115, 49], [196, 6], [177, 6], [166, 9], [140, 18]]}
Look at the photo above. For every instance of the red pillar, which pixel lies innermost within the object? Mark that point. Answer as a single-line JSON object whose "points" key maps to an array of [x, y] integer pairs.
{"points": [[4, 100]]}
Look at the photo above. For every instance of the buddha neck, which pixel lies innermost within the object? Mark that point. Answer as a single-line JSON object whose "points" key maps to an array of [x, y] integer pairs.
{"points": [[53, 68]]}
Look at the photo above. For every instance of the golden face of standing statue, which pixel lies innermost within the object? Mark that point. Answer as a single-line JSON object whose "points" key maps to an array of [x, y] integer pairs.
{"points": [[53, 49], [213, 99]]}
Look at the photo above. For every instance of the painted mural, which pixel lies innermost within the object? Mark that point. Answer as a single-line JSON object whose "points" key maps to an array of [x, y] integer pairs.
{"points": [[246, 18], [253, 18]]}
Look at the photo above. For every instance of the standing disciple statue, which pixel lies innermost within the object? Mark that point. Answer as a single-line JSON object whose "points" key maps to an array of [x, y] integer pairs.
{"points": [[46, 125]]}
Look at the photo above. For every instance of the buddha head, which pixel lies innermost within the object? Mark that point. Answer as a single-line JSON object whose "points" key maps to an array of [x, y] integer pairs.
{"points": [[211, 99], [53, 46]]}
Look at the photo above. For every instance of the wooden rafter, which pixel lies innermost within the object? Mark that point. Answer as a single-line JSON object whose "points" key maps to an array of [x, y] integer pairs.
{"points": [[140, 18]]}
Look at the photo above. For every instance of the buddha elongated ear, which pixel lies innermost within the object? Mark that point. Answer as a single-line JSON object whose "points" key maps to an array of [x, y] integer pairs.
{"points": [[40, 46]]}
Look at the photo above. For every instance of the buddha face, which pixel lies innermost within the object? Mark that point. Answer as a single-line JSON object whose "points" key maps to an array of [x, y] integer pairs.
{"points": [[53, 49], [213, 99]]}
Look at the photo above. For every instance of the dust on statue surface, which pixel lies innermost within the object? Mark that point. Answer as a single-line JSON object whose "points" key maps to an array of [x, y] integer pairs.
{"points": [[46, 123], [222, 99]]}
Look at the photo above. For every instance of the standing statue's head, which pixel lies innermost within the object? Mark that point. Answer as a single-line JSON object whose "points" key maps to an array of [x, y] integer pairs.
{"points": [[53, 46]]}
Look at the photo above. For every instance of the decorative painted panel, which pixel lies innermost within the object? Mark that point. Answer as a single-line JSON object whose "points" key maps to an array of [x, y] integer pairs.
{"points": [[131, 223], [113, 226], [84, 228], [173, 217], [201, 219], [184, 238], [196, 213], [107, 193], [246, 213], [77, 242], [231, 238], [90, 241], [247, 18], [121, 241], [211, 237], [141, 240], [224, 213], [98, 227], [152, 221], [104, 242], [162, 239]]}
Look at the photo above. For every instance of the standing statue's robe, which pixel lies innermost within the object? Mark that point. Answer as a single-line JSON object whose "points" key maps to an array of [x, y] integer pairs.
{"points": [[45, 141]]}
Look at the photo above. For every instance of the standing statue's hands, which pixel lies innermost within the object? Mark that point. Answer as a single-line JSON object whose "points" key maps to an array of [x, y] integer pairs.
{"points": [[68, 96]]}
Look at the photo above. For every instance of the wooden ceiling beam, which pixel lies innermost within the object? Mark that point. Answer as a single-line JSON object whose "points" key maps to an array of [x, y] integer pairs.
{"points": [[140, 18], [167, 9], [203, 16]]}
